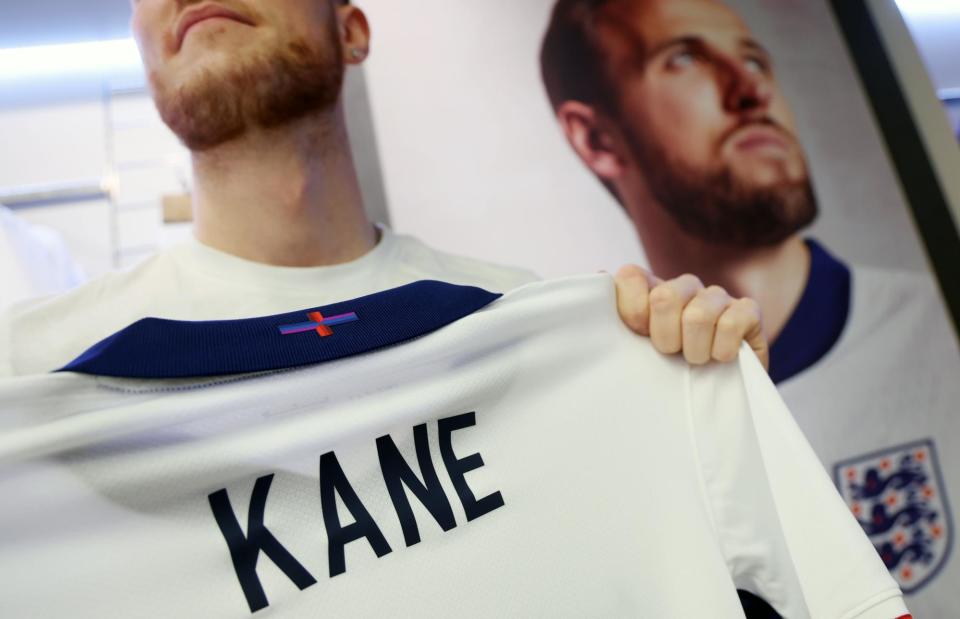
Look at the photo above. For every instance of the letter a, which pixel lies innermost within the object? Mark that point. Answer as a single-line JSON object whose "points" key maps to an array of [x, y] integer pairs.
{"points": [[333, 481]]}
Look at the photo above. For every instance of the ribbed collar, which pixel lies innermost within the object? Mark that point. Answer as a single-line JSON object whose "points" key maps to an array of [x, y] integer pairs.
{"points": [[154, 348], [818, 321]]}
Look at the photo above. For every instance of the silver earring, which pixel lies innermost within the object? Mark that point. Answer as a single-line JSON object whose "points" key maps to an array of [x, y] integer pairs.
{"points": [[356, 53]]}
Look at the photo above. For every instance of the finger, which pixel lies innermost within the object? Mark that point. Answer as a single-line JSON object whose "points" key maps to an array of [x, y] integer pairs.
{"points": [[740, 322], [699, 320], [633, 297], [756, 337], [666, 306]]}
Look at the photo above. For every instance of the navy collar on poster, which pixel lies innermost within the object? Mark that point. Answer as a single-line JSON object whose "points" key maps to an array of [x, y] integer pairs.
{"points": [[154, 348], [818, 320]]}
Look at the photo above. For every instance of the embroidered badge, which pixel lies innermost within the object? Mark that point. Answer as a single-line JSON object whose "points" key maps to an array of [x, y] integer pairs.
{"points": [[318, 323], [898, 496]]}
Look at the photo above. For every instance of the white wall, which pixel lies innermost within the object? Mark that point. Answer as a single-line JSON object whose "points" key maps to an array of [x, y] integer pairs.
{"points": [[472, 160], [72, 132], [474, 163], [919, 92], [64, 141]]}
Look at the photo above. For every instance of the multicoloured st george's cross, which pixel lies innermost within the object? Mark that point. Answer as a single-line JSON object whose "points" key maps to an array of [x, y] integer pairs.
{"points": [[898, 497], [318, 323]]}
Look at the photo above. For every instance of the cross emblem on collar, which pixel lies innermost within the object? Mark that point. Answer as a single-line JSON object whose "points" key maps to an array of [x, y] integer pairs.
{"points": [[319, 323]]}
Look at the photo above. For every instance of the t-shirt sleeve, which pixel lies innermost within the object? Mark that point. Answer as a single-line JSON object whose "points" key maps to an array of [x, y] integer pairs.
{"points": [[786, 534]]}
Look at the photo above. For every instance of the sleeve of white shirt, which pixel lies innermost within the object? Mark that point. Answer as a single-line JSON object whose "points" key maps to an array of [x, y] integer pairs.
{"points": [[785, 532], [34, 261]]}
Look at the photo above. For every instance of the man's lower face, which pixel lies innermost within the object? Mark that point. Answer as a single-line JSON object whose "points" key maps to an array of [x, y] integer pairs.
{"points": [[740, 205], [255, 89]]}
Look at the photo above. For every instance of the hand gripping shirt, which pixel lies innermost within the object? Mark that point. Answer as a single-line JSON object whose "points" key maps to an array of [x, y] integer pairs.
{"points": [[429, 451]]}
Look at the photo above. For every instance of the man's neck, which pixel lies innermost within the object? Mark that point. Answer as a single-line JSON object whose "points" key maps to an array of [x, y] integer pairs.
{"points": [[287, 196], [773, 276]]}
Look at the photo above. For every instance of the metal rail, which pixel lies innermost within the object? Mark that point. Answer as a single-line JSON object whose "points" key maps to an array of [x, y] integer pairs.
{"points": [[30, 196]]}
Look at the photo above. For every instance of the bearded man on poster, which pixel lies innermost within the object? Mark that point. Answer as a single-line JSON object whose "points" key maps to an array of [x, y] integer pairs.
{"points": [[675, 107]]}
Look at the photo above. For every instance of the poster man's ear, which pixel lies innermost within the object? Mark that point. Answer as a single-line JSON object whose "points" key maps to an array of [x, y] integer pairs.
{"points": [[591, 138]]}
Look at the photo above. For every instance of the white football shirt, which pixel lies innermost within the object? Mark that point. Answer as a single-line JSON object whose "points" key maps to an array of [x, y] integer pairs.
{"points": [[533, 458], [191, 281], [887, 391]]}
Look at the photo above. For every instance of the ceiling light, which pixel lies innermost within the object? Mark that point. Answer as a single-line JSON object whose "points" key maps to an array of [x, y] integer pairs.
{"points": [[99, 57], [917, 8]]}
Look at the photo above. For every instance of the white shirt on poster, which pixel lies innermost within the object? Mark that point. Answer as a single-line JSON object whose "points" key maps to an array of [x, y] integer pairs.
{"points": [[890, 388]]}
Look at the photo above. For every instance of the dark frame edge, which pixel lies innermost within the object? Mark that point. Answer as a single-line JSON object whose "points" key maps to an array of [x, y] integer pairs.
{"points": [[918, 179]]}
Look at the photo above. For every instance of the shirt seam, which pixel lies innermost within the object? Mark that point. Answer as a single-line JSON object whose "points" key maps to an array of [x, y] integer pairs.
{"points": [[876, 600]]}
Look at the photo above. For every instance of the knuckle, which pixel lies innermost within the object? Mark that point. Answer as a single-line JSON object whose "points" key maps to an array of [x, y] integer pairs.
{"points": [[689, 279], [630, 272], [749, 306], [717, 296], [696, 317], [663, 297], [728, 325]]}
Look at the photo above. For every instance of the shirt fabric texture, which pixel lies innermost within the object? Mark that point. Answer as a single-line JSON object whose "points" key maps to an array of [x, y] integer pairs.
{"points": [[557, 465]]}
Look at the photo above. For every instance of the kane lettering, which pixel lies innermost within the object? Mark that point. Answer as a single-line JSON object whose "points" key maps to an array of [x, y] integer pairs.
{"points": [[245, 548]]}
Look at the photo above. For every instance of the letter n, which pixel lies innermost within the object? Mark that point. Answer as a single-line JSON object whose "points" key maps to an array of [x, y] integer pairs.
{"points": [[397, 473]]}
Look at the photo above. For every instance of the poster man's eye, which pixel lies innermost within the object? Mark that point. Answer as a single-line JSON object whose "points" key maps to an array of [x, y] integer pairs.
{"points": [[680, 60], [755, 64]]}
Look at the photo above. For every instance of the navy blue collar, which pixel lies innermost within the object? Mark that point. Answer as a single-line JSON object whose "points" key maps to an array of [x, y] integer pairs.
{"points": [[158, 348], [818, 320]]}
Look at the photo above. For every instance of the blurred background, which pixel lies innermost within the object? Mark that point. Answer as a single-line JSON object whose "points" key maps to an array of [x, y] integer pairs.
{"points": [[85, 155]]}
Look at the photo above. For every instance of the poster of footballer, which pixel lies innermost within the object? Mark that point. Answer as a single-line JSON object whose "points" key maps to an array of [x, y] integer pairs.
{"points": [[732, 139]]}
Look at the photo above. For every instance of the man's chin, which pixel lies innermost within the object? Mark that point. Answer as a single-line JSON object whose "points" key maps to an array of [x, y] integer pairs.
{"points": [[189, 72], [767, 172], [221, 98], [768, 186], [737, 212]]}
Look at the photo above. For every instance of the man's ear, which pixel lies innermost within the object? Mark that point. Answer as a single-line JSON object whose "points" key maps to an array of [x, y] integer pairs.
{"points": [[591, 139], [354, 33]]}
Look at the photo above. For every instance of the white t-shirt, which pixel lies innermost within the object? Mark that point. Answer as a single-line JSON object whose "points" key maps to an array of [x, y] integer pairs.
{"points": [[34, 261], [570, 471], [194, 282], [890, 389]]}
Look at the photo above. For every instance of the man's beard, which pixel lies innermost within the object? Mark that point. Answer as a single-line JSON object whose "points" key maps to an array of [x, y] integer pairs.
{"points": [[720, 208], [265, 92]]}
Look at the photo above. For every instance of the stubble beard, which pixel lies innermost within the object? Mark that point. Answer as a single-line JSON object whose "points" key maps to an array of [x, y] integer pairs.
{"points": [[266, 91], [719, 207]]}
